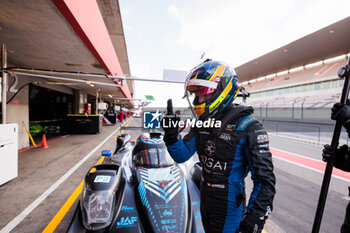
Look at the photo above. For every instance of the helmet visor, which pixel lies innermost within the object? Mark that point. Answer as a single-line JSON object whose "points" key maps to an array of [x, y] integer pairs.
{"points": [[197, 90], [200, 87]]}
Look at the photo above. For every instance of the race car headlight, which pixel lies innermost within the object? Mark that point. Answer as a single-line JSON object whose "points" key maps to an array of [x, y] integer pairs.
{"points": [[97, 208]]}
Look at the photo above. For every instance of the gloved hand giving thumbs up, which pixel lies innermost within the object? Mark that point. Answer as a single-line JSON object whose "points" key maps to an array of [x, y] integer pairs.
{"points": [[170, 125]]}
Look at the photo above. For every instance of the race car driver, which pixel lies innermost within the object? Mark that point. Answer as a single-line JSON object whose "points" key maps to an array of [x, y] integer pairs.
{"points": [[341, 113], [227, 153]]}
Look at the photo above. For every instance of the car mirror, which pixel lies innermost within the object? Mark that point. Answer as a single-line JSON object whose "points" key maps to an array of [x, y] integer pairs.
{"points": [[106, 153]]}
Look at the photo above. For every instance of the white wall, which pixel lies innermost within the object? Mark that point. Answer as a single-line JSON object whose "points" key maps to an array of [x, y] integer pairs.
{"points": [[18, 109], [18, 112]]}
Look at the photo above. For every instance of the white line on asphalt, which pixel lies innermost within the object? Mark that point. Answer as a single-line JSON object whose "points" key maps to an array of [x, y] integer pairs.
{"points": [[299, 140], [303, 156], [14, 222], [310, 168]]}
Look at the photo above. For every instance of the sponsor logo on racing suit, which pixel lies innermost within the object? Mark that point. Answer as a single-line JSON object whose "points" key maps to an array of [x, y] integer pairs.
{"points": [[212, 163], [261, 138], [268, 211], [210, 148], [225, 136], [220, 186], [230, 127]]}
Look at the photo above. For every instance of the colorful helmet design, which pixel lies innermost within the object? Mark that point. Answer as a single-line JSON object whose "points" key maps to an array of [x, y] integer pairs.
{"points": [[211, 77]]}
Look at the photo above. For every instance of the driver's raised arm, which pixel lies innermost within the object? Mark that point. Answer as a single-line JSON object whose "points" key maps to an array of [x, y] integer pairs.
{"points": [[180, 149]]}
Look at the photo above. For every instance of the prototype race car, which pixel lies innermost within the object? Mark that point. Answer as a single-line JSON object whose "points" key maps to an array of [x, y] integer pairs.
{"points": [[139, 189]]}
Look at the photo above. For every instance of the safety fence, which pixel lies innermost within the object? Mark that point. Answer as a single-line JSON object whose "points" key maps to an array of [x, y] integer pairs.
{"points": [[309, 120]]}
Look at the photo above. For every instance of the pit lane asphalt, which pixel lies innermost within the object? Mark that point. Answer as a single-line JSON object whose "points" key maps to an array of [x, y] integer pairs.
{"points": [[294, 205], [298, 191], [39, 169]]}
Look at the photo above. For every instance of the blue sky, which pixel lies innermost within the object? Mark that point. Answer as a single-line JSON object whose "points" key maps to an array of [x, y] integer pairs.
{"points": [[169, 34]]}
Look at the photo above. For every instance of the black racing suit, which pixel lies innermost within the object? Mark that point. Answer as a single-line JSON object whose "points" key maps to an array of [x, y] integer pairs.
{"points": [[346, 167], [341, 113], [342, 162], [226, 156]]}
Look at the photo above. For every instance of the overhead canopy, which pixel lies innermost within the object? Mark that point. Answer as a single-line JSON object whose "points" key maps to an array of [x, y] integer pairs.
{"points": [[67, 35], [111, 15], [90, 83], [331, 41]]}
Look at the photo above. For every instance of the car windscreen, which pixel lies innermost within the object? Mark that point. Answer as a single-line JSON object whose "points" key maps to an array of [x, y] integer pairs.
{"points": [[153, 157]]}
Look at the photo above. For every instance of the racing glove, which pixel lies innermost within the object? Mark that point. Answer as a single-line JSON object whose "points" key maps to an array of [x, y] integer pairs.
{"points": [[170, 125], [341, 113], [251, 224], [341, 157]]}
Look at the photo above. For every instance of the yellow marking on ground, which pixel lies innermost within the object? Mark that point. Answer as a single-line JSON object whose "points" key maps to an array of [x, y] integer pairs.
{"points": [[263, 231], [120, 133], [128, 123], [125, 126], [66, 206]]}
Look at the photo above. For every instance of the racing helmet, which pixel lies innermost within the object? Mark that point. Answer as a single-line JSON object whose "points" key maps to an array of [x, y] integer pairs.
{"points": [[211, 77], [150, 152]]}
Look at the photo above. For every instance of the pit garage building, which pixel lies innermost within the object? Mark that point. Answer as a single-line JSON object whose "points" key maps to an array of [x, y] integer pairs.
{"points": [[51, 53]]}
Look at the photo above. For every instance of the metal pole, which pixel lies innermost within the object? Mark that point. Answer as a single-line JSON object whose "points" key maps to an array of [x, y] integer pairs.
{"points": [[114, 78], [67, 79], [4, 82], [342, 73], [97, 97], [302, 109]]}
